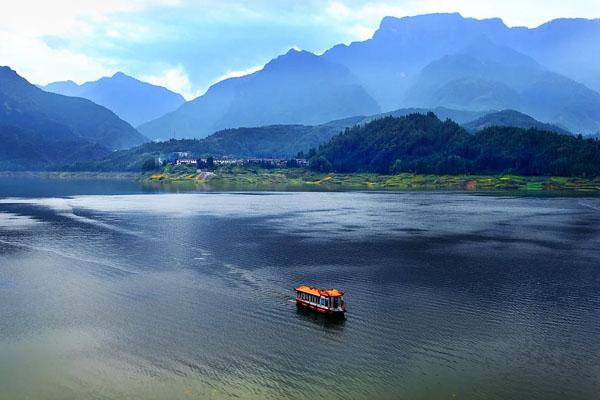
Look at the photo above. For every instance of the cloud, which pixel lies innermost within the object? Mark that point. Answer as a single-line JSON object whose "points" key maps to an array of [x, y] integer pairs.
{"points": [[59, 17], [175, 79], [359, 20], [41, 64], [25, 26], [186, 45], [238, 73]]}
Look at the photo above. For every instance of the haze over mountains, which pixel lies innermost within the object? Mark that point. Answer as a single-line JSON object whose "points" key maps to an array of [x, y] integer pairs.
{"points": [[38, 127], [286, 141], [551, 72], [132, 100], [461, 68], [296, 88], [402, 47]]}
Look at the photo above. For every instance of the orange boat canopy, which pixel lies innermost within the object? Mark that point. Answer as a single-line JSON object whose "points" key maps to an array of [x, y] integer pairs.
{"points": [[319, 292]]}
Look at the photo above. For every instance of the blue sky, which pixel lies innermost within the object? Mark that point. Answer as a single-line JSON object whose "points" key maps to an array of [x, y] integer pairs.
{"points": [[187, 45]]}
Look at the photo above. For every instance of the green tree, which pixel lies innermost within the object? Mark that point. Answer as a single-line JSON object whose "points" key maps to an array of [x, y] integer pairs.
{"points": [[320, 164], [396, 167], [149, 165], [210, 163]]}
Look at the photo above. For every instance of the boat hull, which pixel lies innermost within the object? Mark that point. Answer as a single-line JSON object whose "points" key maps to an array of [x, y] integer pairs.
{"points": [[320, 309]]}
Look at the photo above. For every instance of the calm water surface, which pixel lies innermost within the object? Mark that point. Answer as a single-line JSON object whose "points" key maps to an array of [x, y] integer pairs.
{"points": [[110, 293]]}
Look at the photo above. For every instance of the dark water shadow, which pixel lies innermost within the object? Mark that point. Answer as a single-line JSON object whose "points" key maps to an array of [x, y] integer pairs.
{"points": [[331, 323]]}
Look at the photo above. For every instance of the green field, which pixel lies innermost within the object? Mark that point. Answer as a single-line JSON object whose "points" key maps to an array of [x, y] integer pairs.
{"points": [[302, 179]]}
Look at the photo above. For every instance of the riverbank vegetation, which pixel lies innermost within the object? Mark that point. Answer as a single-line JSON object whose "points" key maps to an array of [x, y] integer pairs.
{"points": [[423, 144], [226, 178]]}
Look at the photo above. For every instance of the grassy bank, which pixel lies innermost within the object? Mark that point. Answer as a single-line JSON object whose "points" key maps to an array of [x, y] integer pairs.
{"points": [[301, 179]]}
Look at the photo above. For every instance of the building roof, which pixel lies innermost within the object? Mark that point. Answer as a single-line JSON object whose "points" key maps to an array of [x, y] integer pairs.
{"points": [[319, 292]]}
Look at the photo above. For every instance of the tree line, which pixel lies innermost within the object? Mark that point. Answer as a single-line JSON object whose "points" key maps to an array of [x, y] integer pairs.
{"points": [[423, 144]]}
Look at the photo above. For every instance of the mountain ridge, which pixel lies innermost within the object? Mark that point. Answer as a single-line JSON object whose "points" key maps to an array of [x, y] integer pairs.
{"points": [[389, 65], [131, 99], [38, 128], [295, 88], [285, 141]]}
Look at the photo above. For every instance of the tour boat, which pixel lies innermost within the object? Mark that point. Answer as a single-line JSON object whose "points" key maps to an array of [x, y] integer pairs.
{"points": [[326, 301]]}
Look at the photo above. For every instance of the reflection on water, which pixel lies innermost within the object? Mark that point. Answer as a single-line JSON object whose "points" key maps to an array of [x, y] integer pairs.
{"points": [[156, 296], [332, 323]]}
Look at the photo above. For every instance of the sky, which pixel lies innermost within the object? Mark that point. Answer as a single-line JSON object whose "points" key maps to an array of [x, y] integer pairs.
{"points": [[187, 45]]}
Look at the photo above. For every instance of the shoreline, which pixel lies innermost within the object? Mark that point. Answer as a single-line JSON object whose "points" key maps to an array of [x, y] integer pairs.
{"points": [[291, 179], [304, 180]]}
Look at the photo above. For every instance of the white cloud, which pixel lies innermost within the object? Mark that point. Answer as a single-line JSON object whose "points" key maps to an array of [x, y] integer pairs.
{"points": [[25, 23], [361, 32], [104, 36], [175, 79], [42, 64], [238, 73], [338, 9], [58, 17], [359, 21]]}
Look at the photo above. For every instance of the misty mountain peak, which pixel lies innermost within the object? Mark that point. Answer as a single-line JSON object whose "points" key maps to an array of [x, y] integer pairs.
{"points": [[7, 72], [131, 99], [393, 23], [440, 22], [293, 59], [122, 76]]}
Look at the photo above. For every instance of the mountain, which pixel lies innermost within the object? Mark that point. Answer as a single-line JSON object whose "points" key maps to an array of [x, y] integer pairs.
{"points": [[511, 118], [390, 63], [424, 144], [132, 100], [486, 76], [55, 117], [425, 62], [458, 116], [26, 150], [296, 88], [267, 141], [568, 46], [376, 146], [66, 88], [286, 141]]}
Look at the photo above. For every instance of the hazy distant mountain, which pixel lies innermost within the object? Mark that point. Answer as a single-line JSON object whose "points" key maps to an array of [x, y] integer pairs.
{"points": [[27, 150], [486, 76], [296, 88], [288, 140], [458, 116], [55, 117], [132, 100], [426, 62], [391, 62], [566, 46], [66, 88], [511, 118]]}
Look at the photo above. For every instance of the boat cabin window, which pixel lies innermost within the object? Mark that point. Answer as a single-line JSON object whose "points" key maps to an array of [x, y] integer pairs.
{"points": [[336, 302]]}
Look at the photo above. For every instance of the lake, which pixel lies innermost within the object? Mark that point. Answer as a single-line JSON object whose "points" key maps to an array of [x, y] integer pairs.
{"points": [[110, 292]]}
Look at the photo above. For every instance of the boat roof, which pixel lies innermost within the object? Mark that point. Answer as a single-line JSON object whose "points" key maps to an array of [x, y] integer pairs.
{"points": [[319, 292]]}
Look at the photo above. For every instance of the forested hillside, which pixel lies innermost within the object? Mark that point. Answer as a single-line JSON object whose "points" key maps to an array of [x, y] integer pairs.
{"points": [[424, 144]]}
